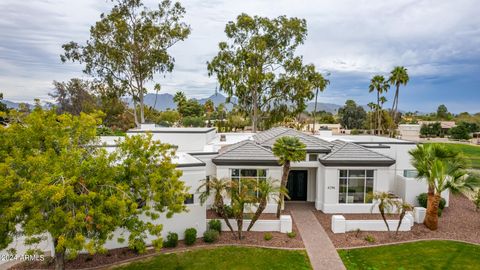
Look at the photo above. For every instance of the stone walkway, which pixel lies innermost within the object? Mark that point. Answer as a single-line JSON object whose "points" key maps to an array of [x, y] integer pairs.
{"points": [[320, 249]]}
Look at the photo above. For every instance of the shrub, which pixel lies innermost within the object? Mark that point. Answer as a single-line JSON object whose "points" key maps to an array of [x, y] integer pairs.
{"points": [[422, 201], [190, 236], [292, 234], [476, 200], [370, 239], [210, 236], [267, 236], [215, 224], [355, 132], [172, 240]]}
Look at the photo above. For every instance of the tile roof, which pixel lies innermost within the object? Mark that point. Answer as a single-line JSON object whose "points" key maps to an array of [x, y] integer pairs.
{"points": [[350, 154], [312, 143], [246, 153]]}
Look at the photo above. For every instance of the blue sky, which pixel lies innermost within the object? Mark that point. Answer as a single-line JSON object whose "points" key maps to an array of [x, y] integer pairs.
{"points": [[437, 40]]}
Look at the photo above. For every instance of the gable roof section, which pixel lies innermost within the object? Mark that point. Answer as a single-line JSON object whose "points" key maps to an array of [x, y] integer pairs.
{"points": [[350, 154], [313, 144], [246, 153]]}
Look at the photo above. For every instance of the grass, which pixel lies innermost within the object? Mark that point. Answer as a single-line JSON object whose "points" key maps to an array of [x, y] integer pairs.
{"points": [[472, 152], [417, 255], [226, 258]]}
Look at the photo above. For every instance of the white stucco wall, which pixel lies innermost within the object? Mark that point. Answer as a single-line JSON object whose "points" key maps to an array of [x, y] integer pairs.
{"points": [[273, 172], [409, 188], [186, 142], [328, 201]]}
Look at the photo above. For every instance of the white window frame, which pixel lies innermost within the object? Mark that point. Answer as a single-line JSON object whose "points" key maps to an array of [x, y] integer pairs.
{"points": [[240, 175]]}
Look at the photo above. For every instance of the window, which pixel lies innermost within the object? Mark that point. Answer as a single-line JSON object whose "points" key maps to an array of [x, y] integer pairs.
{"points": [[258, 174], [312, 157], [355, 185], [410, 173], [189, 200]]}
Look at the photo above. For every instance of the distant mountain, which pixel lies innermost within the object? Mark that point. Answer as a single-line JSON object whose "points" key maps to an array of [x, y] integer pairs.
{"points": [[11, 104], [328, 107]]}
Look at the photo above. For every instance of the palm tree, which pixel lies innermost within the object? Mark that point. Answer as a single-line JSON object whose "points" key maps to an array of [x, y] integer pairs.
{"points": [[380, 85], [219, 187], [402, 208], [320, 84], [287, 149], [397, 77], [442, 169], [266, 190], [242, 194], [372, 107], [385, 204]]}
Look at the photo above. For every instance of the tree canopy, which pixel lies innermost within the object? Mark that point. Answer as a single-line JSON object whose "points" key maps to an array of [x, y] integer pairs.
{"points": [[129, 45], [258, 65], [56, 181], [352, 116]]}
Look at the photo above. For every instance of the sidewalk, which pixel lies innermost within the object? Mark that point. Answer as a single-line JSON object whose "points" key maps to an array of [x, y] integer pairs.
{"points": [[320, 249]]}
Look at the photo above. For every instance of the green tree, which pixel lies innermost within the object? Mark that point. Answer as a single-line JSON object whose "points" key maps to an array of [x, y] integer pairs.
{"points": [[460, 132], [129, 45], [258, 65], [169, 117], [287, 150], [57, 182], [442, 169], [74, 96], [352, 116], [209, 108], [117, 115], [379, 85], [442, 113], [385, 203], [180, 99], [266, 191], [398, 76], [219, 188], [3, 111]]}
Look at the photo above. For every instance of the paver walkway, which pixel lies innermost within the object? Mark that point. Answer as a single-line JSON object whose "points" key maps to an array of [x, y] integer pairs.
{"points": [[320, 249]]}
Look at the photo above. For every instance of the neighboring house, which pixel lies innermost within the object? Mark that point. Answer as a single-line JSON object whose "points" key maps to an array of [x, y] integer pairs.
{"points": [[409, 131]]}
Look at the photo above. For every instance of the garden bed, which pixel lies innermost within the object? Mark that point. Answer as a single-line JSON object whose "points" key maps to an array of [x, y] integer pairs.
{"points": [[460, 221], [279, 240], [211, 214]]}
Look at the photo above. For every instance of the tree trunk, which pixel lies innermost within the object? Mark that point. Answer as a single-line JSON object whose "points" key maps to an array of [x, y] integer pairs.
{"points": [[431, 218], [255, 111], [378, 114], [59, 257], [260, 209], [220, 205], [135, 116], [142, 111], [315, 112], [286, 170], [381, 208], [240, 227], [402, 215]]}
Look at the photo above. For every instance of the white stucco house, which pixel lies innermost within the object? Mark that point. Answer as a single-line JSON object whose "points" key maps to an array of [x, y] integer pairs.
{"points": [[337, 174]]}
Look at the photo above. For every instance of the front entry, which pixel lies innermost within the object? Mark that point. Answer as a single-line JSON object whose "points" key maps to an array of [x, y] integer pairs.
{"points": [[297, 185]]}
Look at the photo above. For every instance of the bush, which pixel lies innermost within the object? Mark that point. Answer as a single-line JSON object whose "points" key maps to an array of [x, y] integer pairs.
{"points": [[423, 198], [292, 234], [267, 236], [215, 224], [210, 236], [355, 132], [192, 121], [172, 240], [190, 236], [369, 238]]}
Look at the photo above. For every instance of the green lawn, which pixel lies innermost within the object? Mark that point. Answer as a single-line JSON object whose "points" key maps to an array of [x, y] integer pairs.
{"points": [[472, 152], [418, 255], [226, 258]]}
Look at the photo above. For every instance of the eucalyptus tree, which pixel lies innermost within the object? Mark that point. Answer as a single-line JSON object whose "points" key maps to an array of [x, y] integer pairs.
{"points": [[398, 76], [380, 85], [129, 46], [258, 65]]}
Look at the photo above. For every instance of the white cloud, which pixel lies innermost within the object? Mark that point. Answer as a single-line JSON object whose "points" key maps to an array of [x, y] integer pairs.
{"points": [[351, 39]]}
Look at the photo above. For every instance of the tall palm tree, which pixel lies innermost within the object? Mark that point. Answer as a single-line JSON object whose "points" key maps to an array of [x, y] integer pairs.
{"points": [[380, 85], [442, 169], [287, 149], [266, 190], [372, 107], [398, 76], [320, 84]]}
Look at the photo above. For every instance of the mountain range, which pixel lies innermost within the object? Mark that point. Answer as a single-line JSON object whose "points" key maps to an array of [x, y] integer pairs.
{"points": [[165, 101]]}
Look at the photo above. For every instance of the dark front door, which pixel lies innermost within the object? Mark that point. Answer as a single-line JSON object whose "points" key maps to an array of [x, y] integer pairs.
{"points": [[297, 185]]}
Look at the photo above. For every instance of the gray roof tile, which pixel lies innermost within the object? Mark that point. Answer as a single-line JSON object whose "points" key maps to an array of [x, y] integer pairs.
{"points": [[313, 144], [246, 152], [345, 153]]}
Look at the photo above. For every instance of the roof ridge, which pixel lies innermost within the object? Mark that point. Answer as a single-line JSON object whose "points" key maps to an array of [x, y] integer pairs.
{"points": [[335, 151], [365, 148], [233, 147], [241, 143]]}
